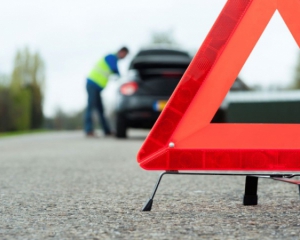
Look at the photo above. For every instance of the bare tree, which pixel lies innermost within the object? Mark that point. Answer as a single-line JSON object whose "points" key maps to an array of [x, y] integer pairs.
{"points": [[163, 38]]}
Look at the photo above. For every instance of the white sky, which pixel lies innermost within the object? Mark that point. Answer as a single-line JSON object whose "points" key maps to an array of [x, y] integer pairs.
{"points": [[72, 34]]}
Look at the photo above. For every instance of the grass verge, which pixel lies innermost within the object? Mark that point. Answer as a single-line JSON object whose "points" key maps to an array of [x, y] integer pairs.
{"points": [[17, 133]]}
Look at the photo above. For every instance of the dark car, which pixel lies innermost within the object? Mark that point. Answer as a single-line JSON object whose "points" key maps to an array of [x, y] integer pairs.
{"points": [[136, 100], [141, 96]]}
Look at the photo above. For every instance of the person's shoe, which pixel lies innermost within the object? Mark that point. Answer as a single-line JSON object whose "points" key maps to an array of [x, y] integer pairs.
{"points": [[109, 134], [90, 134]]}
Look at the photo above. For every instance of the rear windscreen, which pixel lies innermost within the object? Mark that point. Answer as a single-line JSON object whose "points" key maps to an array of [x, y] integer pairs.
{"points": [[152, 73], [159, 73], [159, 81], [160, 61]]}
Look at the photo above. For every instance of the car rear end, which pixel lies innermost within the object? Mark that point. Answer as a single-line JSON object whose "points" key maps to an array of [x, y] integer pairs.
{"points": [[154, 76]]}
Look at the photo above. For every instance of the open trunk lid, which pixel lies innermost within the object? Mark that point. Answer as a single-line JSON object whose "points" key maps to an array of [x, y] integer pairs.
{"points": [[159, 75]]}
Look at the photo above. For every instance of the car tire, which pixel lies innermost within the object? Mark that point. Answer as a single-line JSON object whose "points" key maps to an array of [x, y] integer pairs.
{"points": [[121, 127]]}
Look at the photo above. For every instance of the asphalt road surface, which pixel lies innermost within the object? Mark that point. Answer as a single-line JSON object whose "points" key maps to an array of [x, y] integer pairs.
{"points": [[64, 186]]}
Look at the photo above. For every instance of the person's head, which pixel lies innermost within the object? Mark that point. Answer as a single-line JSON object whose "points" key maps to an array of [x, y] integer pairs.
{"points": [[122, 53]]}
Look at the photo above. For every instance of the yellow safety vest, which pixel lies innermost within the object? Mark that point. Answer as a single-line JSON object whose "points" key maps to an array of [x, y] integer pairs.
{"points": [[100, 73]]}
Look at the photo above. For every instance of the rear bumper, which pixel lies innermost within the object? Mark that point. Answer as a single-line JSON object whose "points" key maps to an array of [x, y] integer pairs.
{"points": [[139, 111]]}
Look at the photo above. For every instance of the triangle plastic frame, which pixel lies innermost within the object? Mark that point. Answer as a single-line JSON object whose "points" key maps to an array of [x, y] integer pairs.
{"points": [[183, 137]]}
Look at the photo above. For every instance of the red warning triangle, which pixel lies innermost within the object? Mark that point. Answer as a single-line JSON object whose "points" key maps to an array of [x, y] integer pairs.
{"points": [[184, 139]]}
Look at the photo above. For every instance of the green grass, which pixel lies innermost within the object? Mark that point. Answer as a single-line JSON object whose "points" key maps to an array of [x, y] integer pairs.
{"points": [[17, 133]]}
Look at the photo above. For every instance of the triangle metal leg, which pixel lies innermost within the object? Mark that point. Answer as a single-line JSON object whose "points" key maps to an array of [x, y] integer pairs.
{"points": [[148, 206], [250, 197], [251, 184]]}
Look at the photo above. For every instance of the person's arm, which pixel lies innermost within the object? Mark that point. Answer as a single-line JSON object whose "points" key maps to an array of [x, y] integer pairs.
{"points": [[112, 62]]}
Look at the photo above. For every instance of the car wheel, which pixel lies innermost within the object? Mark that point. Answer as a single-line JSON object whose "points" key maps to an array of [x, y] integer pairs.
{"points": [[121, 127]]}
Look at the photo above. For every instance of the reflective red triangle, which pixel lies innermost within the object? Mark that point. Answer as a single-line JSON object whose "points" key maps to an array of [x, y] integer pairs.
{"points": [[185, 122]]}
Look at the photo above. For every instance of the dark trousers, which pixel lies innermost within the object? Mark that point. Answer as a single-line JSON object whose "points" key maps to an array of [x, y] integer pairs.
{"points": [[94, 102]]}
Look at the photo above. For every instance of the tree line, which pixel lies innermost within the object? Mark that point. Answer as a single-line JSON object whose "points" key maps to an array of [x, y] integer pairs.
{"points": [[21, 93]]}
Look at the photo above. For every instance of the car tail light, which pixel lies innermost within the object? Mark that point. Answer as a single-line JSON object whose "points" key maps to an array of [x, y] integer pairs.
{"points": [[129, 88]]}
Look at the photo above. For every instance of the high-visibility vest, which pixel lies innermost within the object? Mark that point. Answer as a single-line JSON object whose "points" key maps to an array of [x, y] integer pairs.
{"points": [[100, 73]]}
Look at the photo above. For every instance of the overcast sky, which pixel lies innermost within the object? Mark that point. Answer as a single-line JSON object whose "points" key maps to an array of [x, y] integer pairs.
{"points": [[72, 34]]}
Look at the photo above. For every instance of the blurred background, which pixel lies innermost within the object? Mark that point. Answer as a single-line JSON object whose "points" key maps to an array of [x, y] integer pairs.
{"points": [[49, 47]]}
